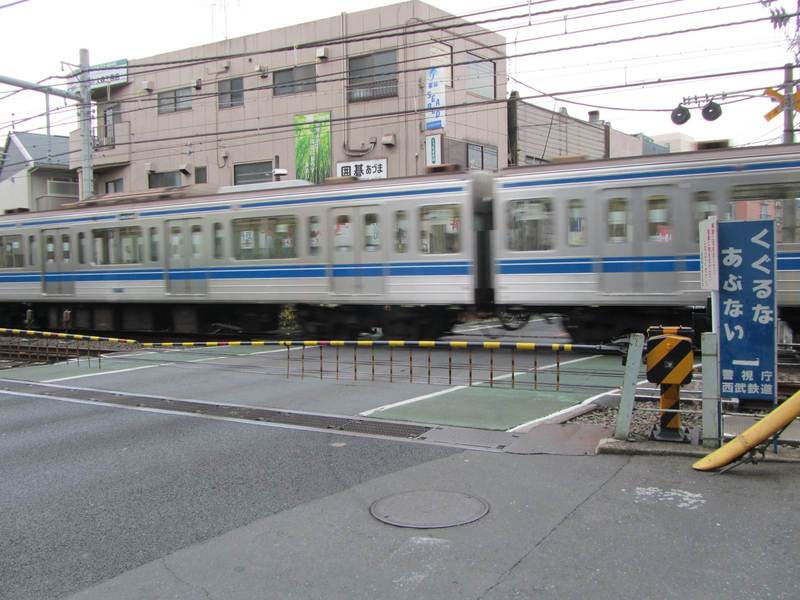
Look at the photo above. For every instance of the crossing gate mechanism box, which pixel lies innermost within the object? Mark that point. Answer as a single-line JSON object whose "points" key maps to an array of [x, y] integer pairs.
{"points": [[669, 359]]}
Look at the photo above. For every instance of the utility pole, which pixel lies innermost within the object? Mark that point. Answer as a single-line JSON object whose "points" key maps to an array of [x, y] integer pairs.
{"points": [[788, 105], [84, 116], [85, 120]]}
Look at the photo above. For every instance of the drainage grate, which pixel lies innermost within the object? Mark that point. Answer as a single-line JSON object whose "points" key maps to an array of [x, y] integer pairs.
{"points": [[322, 422]]}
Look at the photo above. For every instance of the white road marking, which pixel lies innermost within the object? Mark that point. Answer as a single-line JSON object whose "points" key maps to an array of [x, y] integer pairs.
{"points": [[169, 364], [461, 387]]}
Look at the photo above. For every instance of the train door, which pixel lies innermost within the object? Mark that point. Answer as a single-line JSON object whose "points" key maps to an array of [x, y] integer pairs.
{"points": [[357, 250], [658, 246], [185, 253], [57, 259], [617, 242]]}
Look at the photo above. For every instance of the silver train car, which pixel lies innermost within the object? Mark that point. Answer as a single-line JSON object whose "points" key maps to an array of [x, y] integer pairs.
{"points": [[609, 245]]}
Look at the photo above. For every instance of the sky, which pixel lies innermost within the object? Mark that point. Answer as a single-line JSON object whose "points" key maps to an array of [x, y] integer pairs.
{"points": [[43, 37]]}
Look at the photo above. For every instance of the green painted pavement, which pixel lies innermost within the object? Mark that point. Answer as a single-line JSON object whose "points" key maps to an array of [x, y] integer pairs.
{"points": [[497, 408]]}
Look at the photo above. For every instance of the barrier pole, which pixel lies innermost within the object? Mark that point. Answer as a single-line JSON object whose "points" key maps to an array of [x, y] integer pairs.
{"points": [[470, 367], [449, 365], [535, 369], [712, 415], [513, 368], [337, 363], [429, 365], [391, 364], [303, 361], [491, 367], [288, 359], [558, 370], [355, 362], [373, 361], [410, 365], [633, 364]]}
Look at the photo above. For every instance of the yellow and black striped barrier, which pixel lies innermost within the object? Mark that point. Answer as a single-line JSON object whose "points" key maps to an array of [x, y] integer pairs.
{"points": [[64, 336], [529, 346], [670, 361]]}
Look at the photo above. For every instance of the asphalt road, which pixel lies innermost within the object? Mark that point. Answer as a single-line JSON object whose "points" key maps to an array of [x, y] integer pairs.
{"points": [[89, 492]]}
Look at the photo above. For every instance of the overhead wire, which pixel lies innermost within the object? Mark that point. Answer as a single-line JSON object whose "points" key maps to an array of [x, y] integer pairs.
{"points": [[333, 77]]}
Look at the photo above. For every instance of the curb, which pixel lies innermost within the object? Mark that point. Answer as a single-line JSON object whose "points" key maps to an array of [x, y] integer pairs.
{"points": [[651, 448]]}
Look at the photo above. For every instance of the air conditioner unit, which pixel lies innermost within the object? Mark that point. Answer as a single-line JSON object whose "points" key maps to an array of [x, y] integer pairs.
{"points": [[184, 168], [262, 70], [198, 84], [322, 53], [149, 168], [147, 85]]}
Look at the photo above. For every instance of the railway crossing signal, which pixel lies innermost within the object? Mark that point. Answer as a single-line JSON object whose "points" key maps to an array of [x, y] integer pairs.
{"points": [[781, 100]]}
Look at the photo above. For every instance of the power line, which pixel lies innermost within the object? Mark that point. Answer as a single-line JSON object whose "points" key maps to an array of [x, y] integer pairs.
{"points": [[330, 77]]}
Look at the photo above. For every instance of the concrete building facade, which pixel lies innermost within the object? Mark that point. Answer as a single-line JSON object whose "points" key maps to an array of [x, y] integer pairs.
{"points": [[538, 135], [35, 173], [345, 95]]}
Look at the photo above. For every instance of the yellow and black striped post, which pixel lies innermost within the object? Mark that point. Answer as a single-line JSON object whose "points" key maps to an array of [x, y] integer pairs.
{"points": [[670, 360]]}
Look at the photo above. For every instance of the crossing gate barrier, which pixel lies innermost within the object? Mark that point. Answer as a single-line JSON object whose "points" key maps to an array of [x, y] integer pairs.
{"points": [[670, 360]]}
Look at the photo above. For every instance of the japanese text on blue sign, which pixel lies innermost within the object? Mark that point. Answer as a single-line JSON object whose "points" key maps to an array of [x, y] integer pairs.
{"points": [[434, 99], [748, 312]]}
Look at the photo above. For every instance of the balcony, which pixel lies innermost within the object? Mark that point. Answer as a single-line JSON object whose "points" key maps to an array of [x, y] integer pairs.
{"points": [[107, 151]]}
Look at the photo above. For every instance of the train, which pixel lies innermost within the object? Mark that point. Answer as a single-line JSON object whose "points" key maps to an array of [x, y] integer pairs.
{"points": [[609, 246]]}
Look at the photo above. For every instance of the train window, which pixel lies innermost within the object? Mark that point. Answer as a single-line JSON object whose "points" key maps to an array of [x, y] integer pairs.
{"points": [[372, 233], [400, 231], [440, 229], [197, 241], [153, 238], [314, 236], [617, 220], [530, 224], [219, 241], [11, 251], [31, 249], [779, 201], [658, 226], [704, 207], [343, 234], [50, 248], [81, 249], [66, 248], [175, 242], [119, 246], [576, 217], [264, 237]]}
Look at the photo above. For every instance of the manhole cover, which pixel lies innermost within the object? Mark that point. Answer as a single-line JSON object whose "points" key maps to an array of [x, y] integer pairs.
{"points": [[429, 509]]}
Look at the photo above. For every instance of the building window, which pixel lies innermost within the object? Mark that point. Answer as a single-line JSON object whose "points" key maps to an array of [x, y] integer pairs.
{"points": [[617, 220], [295, 80], [231, 92], [66, 248], [658, 227], [110, 116], [165, 179], [704, 207], [440, 229], [200, 175], [115, 186], [372, 76], [401, 231], [576, 233], [530, 224], [480, 76], [252, 172], [481, 157], [11, 252], [175, 100], [314, 236], [264, 237], [31, 250], [442, 57]]}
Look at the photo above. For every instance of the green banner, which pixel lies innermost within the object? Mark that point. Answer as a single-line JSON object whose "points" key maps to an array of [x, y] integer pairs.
{"points": [[312, 146]]}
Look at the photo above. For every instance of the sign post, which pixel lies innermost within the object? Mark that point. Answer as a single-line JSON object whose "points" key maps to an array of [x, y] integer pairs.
{"points": [[748, 310], [709, 265]]}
